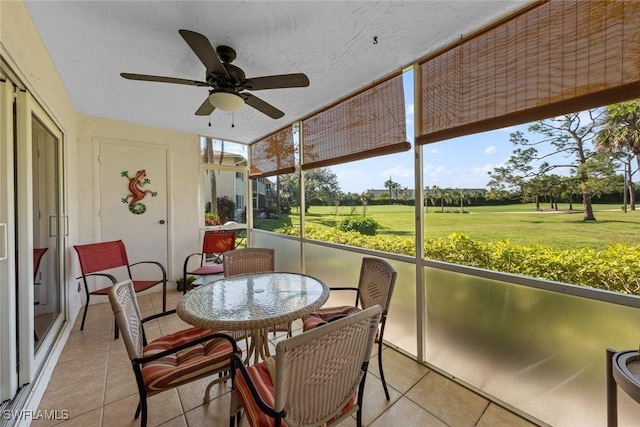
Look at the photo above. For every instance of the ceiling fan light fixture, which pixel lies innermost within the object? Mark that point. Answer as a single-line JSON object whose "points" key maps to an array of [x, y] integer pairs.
{"points": [[226, 100]]}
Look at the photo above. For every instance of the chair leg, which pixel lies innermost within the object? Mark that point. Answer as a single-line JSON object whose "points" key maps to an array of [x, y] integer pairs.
{"points": [[361, 395], [612, 392], [384, 383], [234, 420], [116, 330], [143, 405], [164, 296], [84, 315]]}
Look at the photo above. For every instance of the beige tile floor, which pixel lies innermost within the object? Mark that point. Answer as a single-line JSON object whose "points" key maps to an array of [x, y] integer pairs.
{"points": [[94, 382]]}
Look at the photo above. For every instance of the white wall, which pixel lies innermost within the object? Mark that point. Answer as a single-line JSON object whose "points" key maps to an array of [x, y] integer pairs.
{"points": [[183, 174], [23, 50]]}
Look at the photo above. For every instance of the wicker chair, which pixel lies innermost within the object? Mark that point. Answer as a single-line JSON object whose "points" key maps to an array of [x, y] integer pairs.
{"points": [[375, 287], [252, 260], [171, 360], [248, 260], [313, 378], [214, 245]]}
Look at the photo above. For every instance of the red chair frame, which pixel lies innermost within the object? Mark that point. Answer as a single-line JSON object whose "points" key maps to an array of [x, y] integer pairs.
{"points": [[96, 258], [213, 243]]}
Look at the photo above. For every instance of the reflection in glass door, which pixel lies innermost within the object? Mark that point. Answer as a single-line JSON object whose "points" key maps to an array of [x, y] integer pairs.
{"points": [[46, 214]]}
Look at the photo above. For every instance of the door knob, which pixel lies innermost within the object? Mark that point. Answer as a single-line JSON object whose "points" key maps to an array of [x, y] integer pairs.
{"points": [[162, 221]]}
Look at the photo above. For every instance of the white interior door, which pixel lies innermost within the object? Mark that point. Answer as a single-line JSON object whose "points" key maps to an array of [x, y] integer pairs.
{"points": [[133, 200]]}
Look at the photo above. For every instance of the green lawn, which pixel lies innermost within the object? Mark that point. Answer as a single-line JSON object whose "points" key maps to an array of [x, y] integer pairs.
{"points": [[520, 223]]}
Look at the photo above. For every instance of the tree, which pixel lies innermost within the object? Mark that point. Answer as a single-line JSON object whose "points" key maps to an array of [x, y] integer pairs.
{"points": [[569, 136], [390, 185], [509, 182], [396, 189], [207, 156], [441, 195], [365, 197], [620, 137], [321, 186], [461, 196]]}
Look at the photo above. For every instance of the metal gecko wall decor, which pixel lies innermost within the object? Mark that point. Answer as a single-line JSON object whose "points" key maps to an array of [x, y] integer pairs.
{"points": [[136, 192]]}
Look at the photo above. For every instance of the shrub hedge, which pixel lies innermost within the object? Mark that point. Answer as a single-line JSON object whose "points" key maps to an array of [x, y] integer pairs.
{"points": [[617, 268], [361, 224]]}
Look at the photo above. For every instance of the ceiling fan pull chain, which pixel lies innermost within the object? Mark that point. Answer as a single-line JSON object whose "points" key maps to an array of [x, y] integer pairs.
{"points": [[209, 120], [232, 117]]}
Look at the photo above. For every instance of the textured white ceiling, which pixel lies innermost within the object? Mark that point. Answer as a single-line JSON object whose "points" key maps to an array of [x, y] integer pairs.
{"points": [[92, 42]]}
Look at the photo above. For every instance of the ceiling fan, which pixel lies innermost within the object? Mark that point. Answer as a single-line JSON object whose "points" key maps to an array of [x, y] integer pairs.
{"points": [[227, 82]]}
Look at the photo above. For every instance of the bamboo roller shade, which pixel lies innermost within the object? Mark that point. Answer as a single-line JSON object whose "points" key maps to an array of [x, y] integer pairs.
{"points": [[559, 57]]}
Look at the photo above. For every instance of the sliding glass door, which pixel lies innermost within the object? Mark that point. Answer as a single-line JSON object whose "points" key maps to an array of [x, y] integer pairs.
{"points": [[33, 230]]}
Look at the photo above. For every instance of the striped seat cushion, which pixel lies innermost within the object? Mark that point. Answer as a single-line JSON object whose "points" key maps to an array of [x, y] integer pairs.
{"points": [[325, 314], [187, 365], [262, 380]]}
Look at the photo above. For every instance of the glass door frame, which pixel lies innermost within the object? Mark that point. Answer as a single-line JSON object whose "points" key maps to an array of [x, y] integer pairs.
{"points": [[31, 363], [8, 355]]}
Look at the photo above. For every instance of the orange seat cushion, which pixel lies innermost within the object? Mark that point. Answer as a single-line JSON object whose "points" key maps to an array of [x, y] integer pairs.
{"points": [[261, 379], [325, 314], [187, 365]]}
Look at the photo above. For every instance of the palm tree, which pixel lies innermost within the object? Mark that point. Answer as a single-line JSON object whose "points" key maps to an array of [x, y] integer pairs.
{"points": [[390, 185], [462, 196], [620, 135], [438, 194]]}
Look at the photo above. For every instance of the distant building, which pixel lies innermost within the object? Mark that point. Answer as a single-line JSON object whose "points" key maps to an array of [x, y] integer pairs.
{"points": [[410, 194]]}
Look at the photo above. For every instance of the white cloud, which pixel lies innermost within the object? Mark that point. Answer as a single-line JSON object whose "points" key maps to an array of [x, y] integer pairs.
{"points": [[397, 172], [490, 150], [482, 169], [409, 110]]}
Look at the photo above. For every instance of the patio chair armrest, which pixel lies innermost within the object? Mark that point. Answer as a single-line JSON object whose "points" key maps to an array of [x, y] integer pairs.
{"points": [[108, 276], [238, 366], [157, 315], [164, 270], [186, 260], [343, 288], [143, 360]]}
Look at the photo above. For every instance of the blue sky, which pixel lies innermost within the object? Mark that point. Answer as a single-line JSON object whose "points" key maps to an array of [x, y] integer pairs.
{"points": [[457, 163]]}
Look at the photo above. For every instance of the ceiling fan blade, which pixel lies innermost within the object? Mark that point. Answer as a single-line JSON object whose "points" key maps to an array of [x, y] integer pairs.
{"points": [[161, 79], [203, 50], [277, 82], [205, 109], [262, 106]]}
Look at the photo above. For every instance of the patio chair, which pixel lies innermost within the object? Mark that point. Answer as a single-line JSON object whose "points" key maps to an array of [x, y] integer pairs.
{"points": [[214, 244], [252, 260], [248, 260], [170, 360], [375, 287], [97, 258], [316, 377]]}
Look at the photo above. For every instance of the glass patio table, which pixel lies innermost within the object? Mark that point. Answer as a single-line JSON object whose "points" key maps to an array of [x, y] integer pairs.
{"points": [[253, 302]]}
